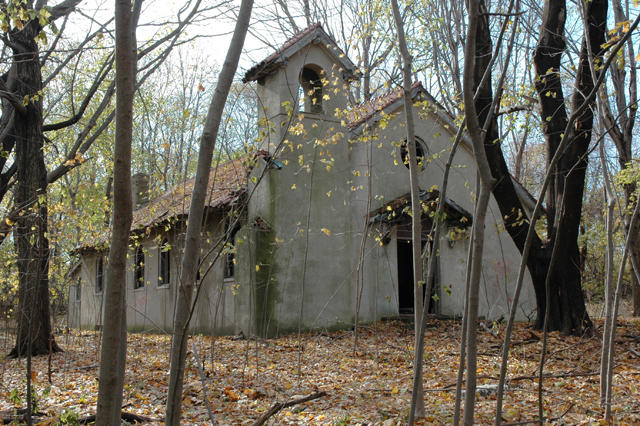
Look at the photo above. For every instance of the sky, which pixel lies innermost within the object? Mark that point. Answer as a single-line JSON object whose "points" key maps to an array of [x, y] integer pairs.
{"points": [[216, 32]]}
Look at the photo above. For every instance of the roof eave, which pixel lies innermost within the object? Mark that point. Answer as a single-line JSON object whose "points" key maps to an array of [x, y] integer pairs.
{"points": [[317, 35]]}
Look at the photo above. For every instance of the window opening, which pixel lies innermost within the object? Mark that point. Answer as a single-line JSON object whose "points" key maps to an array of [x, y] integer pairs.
{"points": [[310, 91], [230, 260], [421, 153], [79, 289], [165, 264], [100, 275], [139, 269], [198, 276]]}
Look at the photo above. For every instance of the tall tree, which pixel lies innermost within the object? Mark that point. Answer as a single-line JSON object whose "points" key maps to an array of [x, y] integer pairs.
{"points": [[114, 337], [620, 125], [196, 213], [23, 171], [417, 396], [567, 308], [22, 122]]}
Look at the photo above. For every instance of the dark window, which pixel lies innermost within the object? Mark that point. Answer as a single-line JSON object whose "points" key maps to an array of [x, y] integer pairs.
{"points": [[79, 289], [230, 258], [139, 269], [311, 91], [165, 264], [100, 275], [198, 276], [421, 153]]}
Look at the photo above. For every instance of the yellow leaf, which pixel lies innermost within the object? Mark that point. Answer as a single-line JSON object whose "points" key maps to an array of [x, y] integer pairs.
{"points": [[288, 385], [257, 268], [8, 222], [326, 231], [395, 390]]}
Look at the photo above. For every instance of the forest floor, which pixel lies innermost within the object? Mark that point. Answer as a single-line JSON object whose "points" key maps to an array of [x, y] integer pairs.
{"points": [[371, 386]]}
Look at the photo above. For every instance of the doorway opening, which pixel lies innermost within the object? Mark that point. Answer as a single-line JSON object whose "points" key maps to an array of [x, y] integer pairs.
{"points": [[405, 280]]}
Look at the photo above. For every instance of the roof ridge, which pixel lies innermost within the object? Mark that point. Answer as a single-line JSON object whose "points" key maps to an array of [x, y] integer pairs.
{"points": [[365, 110], [251, 72]]}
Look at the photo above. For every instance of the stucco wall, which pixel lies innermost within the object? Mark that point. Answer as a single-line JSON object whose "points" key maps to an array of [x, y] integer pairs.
{"points": [[151, 307], [390, 181]]}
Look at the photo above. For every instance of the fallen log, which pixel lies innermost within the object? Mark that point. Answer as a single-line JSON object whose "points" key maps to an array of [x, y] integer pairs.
{"points": [[129, 417], [280, 405]]}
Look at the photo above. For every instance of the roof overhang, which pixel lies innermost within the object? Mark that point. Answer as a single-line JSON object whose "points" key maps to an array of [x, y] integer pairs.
{"points": [[396, 210]]}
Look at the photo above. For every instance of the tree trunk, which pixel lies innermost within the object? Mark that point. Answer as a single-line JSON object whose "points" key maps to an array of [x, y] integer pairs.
{"points": [[417, 397], [30, 232], [568, 313], [608, 288], [566, 282], [196, 213], [621, 132], [486, 182], [114, 339]]}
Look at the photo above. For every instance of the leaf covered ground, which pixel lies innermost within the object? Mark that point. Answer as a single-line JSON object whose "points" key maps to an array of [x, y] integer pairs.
{"points": [[370, 386]]}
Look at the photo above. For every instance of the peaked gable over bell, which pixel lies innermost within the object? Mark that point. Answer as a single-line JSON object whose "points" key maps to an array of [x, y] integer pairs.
{"points": [[312, 34]]}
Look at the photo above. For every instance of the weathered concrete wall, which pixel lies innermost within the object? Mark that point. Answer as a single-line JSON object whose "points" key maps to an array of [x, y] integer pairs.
{"points": [[390, 180], [304, 263], [151, 307]]}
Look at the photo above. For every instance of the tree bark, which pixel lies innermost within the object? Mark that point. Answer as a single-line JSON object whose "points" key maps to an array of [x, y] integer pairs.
{"points": [[567, 310], [417, 397], [114, 338], [30, 232], [486, 182], [196, 212], [621, 132]]}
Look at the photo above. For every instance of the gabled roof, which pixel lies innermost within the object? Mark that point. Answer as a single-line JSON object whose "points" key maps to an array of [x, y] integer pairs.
{"points": [[312, 34], [390, 101], [362, 112], [227, 185]]}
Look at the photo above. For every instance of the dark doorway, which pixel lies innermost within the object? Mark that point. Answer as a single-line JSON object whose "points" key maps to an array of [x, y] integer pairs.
{"points": [[405, 279]]}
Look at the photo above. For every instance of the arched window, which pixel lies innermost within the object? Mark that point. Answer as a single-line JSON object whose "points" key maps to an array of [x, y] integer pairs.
{"points": [[165, 264], [311, 91], [100, 275], [421, 153], [139, 269]]}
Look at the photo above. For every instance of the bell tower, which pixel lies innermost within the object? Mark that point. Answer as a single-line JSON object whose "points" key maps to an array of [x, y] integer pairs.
{"points": [[308, 75]]}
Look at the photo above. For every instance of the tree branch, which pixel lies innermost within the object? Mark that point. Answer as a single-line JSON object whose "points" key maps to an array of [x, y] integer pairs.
{"points": [[85, 103], [280, 405], [11, 97], [64, 8]]}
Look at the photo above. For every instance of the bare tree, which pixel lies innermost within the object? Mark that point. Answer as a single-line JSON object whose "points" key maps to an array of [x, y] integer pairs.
{"points": [[114, 338], [417, 397], [620, 125], [196, 211], [24, 123]]}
